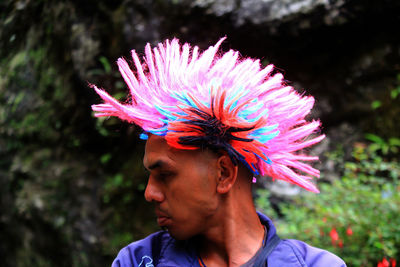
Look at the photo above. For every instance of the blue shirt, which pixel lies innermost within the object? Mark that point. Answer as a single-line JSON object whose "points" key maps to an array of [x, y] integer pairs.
{"points": [[160, 249]]}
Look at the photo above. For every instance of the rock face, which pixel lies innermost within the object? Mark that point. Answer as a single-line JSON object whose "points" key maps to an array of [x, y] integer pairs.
{"points": [[269, 11], [344, 52], [72, 181]]}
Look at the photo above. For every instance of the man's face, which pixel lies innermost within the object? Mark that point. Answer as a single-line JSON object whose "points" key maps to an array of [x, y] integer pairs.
{"points": [[182, 185]]}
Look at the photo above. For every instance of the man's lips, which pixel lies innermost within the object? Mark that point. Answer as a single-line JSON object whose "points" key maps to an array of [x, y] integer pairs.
{"points": [[162, 221], [162, 218]]}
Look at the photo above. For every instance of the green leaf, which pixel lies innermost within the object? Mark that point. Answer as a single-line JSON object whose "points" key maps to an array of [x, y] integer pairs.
{"points": [[395, 92], [105, 158], [376, 104], [106, 64], [394, 141], [19, 59], [374, 138], [378, 245]]}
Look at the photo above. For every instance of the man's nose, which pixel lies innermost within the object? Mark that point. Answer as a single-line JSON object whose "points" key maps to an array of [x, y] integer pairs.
{"points": [[153, 191]]}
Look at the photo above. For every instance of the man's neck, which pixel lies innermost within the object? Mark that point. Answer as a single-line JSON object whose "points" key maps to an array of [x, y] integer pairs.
{"points": [[234, 238]]}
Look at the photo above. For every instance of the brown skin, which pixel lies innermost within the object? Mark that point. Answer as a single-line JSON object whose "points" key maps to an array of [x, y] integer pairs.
{"points": [[199, 194]]}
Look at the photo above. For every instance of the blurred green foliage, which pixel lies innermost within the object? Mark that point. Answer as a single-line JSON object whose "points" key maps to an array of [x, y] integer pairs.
{"points": [[356, 217], [385, 109], [71, 186]]}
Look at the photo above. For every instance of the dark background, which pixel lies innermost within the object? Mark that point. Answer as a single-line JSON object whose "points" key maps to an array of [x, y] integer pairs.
{"points": [[71, 186]]}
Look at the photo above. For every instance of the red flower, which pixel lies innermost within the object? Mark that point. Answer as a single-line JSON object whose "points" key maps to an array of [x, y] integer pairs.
{"points": [[349, 231], [334, 236], [385, 263], [324, 219], [340, 244]]}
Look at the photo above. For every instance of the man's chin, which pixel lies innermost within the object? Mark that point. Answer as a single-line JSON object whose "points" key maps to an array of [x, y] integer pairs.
{"points": [[177, 235]]}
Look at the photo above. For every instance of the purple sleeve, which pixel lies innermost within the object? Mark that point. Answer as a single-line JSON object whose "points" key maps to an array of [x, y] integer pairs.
{"points": [[141, 253], [158, 249], [316, 257], [132, 256]]}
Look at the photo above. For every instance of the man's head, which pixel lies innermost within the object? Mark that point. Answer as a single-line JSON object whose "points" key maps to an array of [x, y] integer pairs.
{"points": [[220, 102], [190, 188]]}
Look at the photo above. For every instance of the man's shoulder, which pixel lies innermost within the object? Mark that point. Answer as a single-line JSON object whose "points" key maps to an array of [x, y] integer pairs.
{"points": [[153, 242], [141, 252], [301, 254], [297, 253], [157, 249]]}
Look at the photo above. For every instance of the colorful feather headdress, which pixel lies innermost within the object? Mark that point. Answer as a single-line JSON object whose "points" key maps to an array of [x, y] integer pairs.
{"points": [[198, 100]]}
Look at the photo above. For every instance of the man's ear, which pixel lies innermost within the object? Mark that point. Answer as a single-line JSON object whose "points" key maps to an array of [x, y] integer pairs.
{"points": [[227, 174]]}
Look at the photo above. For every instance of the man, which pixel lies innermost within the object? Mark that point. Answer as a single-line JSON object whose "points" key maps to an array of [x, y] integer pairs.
{"points": [[212, 123]]}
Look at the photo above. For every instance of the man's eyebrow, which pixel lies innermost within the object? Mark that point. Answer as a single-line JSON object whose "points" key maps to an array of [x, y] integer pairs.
{"points": [[157, 164]]}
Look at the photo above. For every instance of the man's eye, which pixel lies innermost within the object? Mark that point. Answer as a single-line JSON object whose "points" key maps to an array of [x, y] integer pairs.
{"points": [[164, 175]]}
